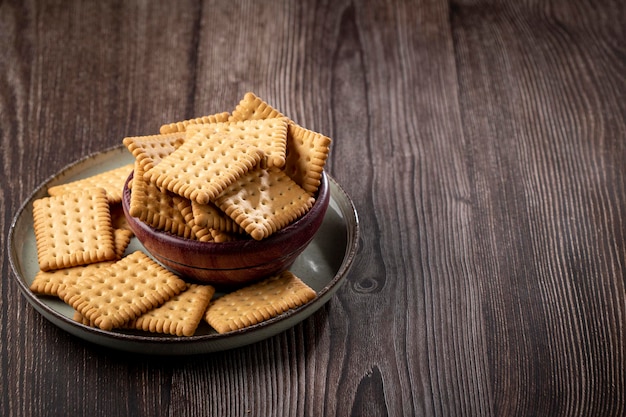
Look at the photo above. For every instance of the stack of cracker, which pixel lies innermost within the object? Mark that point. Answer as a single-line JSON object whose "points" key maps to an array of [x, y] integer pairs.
{"points": [[227, 175], [213, 178]]}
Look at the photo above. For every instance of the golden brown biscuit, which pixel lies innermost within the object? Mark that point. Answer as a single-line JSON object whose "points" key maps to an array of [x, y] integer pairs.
{"points": [[264, 201], [73, 229], [268, 135], [258, 302], [307, 152], [203, 166], [179, 316], [115, 295]]}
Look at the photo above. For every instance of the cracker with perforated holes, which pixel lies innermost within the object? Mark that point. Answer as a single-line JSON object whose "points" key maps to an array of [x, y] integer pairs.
{"points": [[112, 181], [264, 201], [183, 125], [204, 165], [115, 295], [307, 152], [252, 107], [268, 135], [149, 150], [179, 316], [258, 302], [73, 229]]}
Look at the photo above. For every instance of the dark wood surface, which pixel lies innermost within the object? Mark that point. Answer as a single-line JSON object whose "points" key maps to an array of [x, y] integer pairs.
{"points": [[484, 146]]}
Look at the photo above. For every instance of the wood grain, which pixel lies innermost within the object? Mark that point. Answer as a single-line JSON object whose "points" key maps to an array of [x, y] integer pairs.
{"points": [[554, 164], [482, 143]]}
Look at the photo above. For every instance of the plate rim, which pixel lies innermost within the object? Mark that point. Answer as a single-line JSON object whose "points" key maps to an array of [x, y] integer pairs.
{"points": [[187, 344]]}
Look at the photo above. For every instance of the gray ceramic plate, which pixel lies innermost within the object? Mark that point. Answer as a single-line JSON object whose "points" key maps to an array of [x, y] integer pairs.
{"points": [[323, 266]]}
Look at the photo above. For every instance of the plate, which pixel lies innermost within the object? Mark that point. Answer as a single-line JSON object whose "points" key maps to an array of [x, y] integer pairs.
{"points": [[323, 266]]}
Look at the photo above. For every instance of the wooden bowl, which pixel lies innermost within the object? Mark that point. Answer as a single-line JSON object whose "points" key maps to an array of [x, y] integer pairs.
{"points": [[236, 263]]}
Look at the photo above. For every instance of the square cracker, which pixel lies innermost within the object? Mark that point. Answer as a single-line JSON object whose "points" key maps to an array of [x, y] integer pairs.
{"points": [[204, 165], [307, 152], [73, 229], [180, 315], [268, 135], [112, 181], [258, 302], [113, 296], [183, 125], [264, 201]]}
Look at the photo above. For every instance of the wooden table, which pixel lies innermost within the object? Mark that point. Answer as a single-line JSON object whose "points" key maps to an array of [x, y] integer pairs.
{"points": [[483, 144]]}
